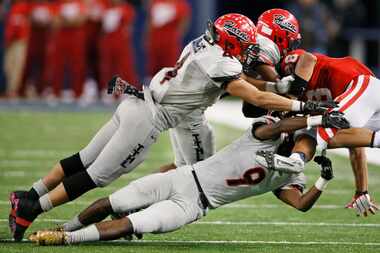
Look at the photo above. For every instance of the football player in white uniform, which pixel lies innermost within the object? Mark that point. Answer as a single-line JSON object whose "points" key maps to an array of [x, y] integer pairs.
{"points": [[193, 139], [208, 66], [182, 196]]}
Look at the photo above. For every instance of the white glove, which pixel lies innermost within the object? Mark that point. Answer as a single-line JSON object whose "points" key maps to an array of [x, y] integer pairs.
{"points": [[363, 205], [281, 86]]}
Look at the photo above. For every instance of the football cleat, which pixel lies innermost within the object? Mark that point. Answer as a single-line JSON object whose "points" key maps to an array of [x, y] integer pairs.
{"points": [[23, 212], [272, 161], [48, 237]]}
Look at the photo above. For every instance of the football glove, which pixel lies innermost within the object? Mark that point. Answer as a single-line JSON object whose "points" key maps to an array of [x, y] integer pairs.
{"points": [[317, 106], [272, 161], [364, 205], [281, 86], [335, 119], [326, 167]]}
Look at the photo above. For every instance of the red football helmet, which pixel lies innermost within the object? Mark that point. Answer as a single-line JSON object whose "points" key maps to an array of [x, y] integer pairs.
{"points": [[281, 27], [234, 33]]}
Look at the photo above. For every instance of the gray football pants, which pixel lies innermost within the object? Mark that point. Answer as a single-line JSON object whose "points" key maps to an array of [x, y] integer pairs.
{"points": [[121, 144], [192, 140], [171, 200]]}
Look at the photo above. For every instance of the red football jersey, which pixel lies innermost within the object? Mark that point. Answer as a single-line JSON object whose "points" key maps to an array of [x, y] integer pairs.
{"points": [[330, 75]]}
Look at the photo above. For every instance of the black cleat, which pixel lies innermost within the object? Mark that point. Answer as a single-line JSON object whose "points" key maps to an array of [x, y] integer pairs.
{"points": [[24, 211]]}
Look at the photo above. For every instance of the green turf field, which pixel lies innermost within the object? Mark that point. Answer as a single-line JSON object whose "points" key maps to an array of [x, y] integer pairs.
{"points": [[31, 142]]}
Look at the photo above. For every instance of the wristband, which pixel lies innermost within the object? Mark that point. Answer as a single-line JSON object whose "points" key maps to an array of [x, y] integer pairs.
{"points": [[271, 86], [313, 121], [297, 106], [321, 184]]}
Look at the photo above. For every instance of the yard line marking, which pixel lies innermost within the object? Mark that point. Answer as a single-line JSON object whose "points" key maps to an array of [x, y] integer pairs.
{"points": [[275, 223], [231, 242], [233, 206]]}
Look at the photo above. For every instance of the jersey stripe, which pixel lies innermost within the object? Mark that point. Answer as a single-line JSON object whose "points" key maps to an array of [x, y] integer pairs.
{"points": [[348, 91], [363, 87]]}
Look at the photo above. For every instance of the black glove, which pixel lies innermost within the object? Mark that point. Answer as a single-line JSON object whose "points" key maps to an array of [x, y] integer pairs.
{"points": [[298, 86], [252, 54], [326, 167], [335, 119], [317, 107]]}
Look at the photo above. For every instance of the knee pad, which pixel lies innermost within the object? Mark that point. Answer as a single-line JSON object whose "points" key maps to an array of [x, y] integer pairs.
{"points": [[72, 165], [78, 184]]}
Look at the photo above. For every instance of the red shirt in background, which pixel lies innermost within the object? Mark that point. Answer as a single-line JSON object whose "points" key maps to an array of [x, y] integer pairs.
{"points": [[17, 23], [166, 17]]}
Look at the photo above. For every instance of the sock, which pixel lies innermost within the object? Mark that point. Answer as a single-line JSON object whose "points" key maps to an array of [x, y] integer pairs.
{"points": [[45, 203], [298, 156], [73, 224], [88, 234], [376, 140], [38, 190]]}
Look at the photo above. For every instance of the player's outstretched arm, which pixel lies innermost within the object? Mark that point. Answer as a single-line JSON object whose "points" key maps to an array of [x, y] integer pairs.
{"points": [[289, 125], [303, 202], [267, 100], [272, 101]]}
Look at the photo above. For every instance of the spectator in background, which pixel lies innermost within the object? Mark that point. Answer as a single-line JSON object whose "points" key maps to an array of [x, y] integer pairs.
{"points": [[40, 17], [68, 58], [115, 45], [317, 24], [16, 37], [167, 24], [349, 14], [95, 10], [2, 76]]}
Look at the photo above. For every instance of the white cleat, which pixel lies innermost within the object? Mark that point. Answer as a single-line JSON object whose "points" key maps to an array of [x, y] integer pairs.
{"points": [[272, 161]]}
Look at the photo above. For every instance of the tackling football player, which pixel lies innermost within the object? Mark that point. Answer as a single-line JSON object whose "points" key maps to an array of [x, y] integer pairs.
{"points": [[182, 196]]}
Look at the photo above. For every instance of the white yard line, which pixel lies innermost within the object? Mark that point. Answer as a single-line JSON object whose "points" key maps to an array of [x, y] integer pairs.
{"points": [[155, 242], [255, 223], [240, 206]]}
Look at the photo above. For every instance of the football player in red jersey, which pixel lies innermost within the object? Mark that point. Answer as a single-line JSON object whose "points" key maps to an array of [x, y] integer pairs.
{"points": [[282, 28], [352, 84]]}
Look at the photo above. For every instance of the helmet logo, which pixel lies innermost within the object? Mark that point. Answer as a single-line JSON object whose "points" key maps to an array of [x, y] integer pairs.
{"points": [[280, 20], [231, 28]]}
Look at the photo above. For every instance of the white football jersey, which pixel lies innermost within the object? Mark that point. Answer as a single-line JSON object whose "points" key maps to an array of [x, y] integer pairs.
{"points": [[197, 79], [233, 174]]}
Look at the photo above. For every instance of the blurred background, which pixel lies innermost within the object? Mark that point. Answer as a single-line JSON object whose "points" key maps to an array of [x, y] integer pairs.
{"points": [[66, 50]]}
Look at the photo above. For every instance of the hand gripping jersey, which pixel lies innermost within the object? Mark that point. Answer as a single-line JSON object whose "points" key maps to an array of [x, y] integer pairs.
{"points": [[197, 80], [331, 76], [233, 174]]}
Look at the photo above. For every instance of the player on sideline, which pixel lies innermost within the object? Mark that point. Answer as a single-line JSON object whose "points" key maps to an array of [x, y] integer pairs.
{"points": [[182, 196], [208, 66], [353, 85]]}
